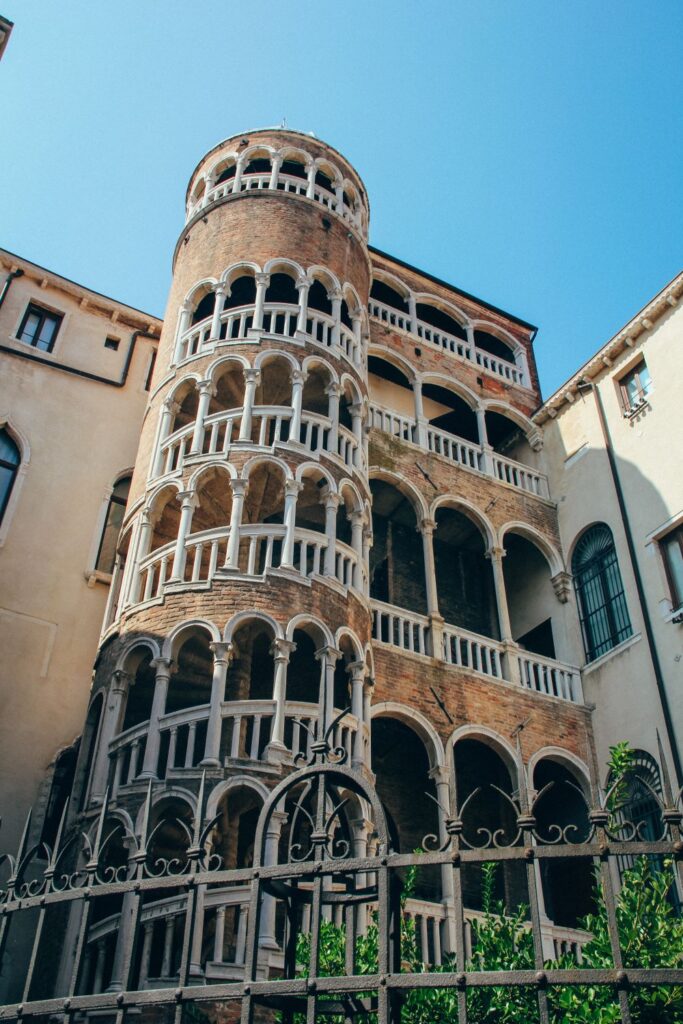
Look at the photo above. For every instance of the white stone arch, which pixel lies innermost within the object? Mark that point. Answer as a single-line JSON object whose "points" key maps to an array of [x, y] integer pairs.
{"points": [[571, 549], [242, 618], [219, 165], [269, 354], [468, 509], [326, 166], [420, 725], [221, 790], [174, 792], [315, 467], [352, 299], [193, 377], [315, 360], [153, 496], [575, 765], [325, 276], [121, 815], [527, 426], [535, 537], [215, 370], [175, 639], [402, 485], [386, 277], [346, 484], [397, 360], [284, 265], [346, 632], [257, 460], [206, 285], [305, 619], [224, 468], [294, 153], [490, 738], [469, 397], [244, 268], [501, 333], [348, 381], [252, 152], [21, 441], [139, 641], [438, 302]]}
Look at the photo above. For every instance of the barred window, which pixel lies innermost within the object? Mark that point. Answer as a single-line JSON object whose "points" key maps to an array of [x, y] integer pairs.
{"points": [[602, 603]]}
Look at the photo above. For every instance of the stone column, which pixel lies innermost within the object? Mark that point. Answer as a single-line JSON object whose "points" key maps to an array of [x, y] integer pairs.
{"points": [[142, 547], [281, 651], [328, 657], [331, 505], [189, 500], [427, 528], [298, 379], [336, 300], [219, 292], [420, 418], [183, 325], [303, 285], [164, 668], [312, 171], [251, 380], [206, 390], [339, 196], [441, 776], [511, 673], [208, 185], [237, 180], [333, 392], [292, 488], [147, 931], [267, 938], [367, 717], [239, 491], [277, 164], [222, 653], [358, 671], [262, 282], [361, 829], [486, 449], [412, 312], [169, 409], [110, 726], [356, 411], [357, 520]]}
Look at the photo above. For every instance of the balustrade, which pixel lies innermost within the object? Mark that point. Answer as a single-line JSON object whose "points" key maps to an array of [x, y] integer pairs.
{"points": [[454, 448], [518, 475], [408, 631], [458, 347], [393, 423]]}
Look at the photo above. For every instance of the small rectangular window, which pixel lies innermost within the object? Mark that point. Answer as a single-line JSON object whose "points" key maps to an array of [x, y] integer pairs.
{"points": [[112, 343], [39, 327], [635, 386], [671, 547]]}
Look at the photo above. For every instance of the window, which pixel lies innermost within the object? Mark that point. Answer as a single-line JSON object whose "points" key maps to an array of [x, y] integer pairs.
{"points": [[150, 369], [600, 592], [39, 327], [637, 805], [106, 556], [635, 387], [112, 343], [10, 458], [671, 546]]}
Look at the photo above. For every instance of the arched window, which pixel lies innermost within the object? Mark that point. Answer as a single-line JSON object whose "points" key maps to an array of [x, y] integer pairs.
{"points": [[637, 811], [600, 591], [106, 556], [10, 459]]}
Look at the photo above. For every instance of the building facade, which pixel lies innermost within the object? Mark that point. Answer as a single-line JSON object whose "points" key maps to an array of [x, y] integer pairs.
{"points": [[347, 518]]}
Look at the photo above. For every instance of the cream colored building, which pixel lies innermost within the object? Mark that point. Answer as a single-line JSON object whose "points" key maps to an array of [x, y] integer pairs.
{"points": [[75, 371], [614, 456]]}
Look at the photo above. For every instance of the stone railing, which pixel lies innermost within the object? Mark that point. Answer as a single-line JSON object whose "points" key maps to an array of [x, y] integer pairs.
{"points": [[458, 347], [279, 320], [464, 453], [409, 631]]}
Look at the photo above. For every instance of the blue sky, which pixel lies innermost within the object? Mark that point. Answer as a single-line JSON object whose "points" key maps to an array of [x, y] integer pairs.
{"points": [[530, 153]]}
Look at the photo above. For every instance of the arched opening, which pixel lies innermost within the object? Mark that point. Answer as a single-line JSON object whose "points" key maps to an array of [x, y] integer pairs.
{"points": [[490, 343], [448, 412], [347, 505], [250, 678], [141, 685], [204, 308], [257, 165], [10, 460], [480, 768], [282, 290], [397, 574], [293, 168], [401, 766], [242, 292], [187, 400], [309, 552], [229, 394], [464, 577], [212, 511], [87, 751], [275, 385], [227, 173], [264, 505], [303, 671], [507, 438], [325, 179], [391, 390], [318, 298], [532, 604], [190, 684], [441, 320], [315, 396], [567, 883], [116, 510], [165, 516], [600, 592], [388, 296]]}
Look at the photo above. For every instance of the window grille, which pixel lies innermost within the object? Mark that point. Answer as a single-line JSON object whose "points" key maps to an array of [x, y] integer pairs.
{"points": [[602, 602]]}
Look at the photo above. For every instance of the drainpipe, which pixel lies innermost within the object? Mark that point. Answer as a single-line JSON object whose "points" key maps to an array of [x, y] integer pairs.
{"points": [[8, 281], [585, 385]]}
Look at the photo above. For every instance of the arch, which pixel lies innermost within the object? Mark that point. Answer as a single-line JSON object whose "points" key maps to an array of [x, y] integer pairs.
{"points": [[397, 360], [416, 721], [15, 455], [326, 277], [468, 509], [166, 795], [410, 492], [221, 789], [348, 485], [304, 620], [490, 738], [182, 631], [527, 426], [393, 282], [429, 299], [246, 617], [287, 152], [535, 537], [132, 645], [240, 269], [348, 383], [315, 361], [324, 166], [258, 149], [345, 632], [349, 292], [223, 468], [168, 485], [570, 761], [258, 460], [186, 381], [268, 355], [284, 265], [218, 170], [600, 592], [306, 468], [199, 289], [499, 332], [457, 387]]}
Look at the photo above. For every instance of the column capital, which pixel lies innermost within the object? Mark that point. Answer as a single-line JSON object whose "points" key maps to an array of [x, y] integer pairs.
{"points": [[427, 526], [331, 500], [163, 667], [293, 487], [239, 487], [170, 403], [357, 516], [282, 649], [187, 306], [205, 387], [333, 388], [303, 282], [357, 670], [495, 553], [251, 375], [188, 499], [222, 652], [262, 279], [220, 288], [335, 295], [562, 585], [121, 680], [535, 439], [440, 773], [328, 653], [298, 376]]}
